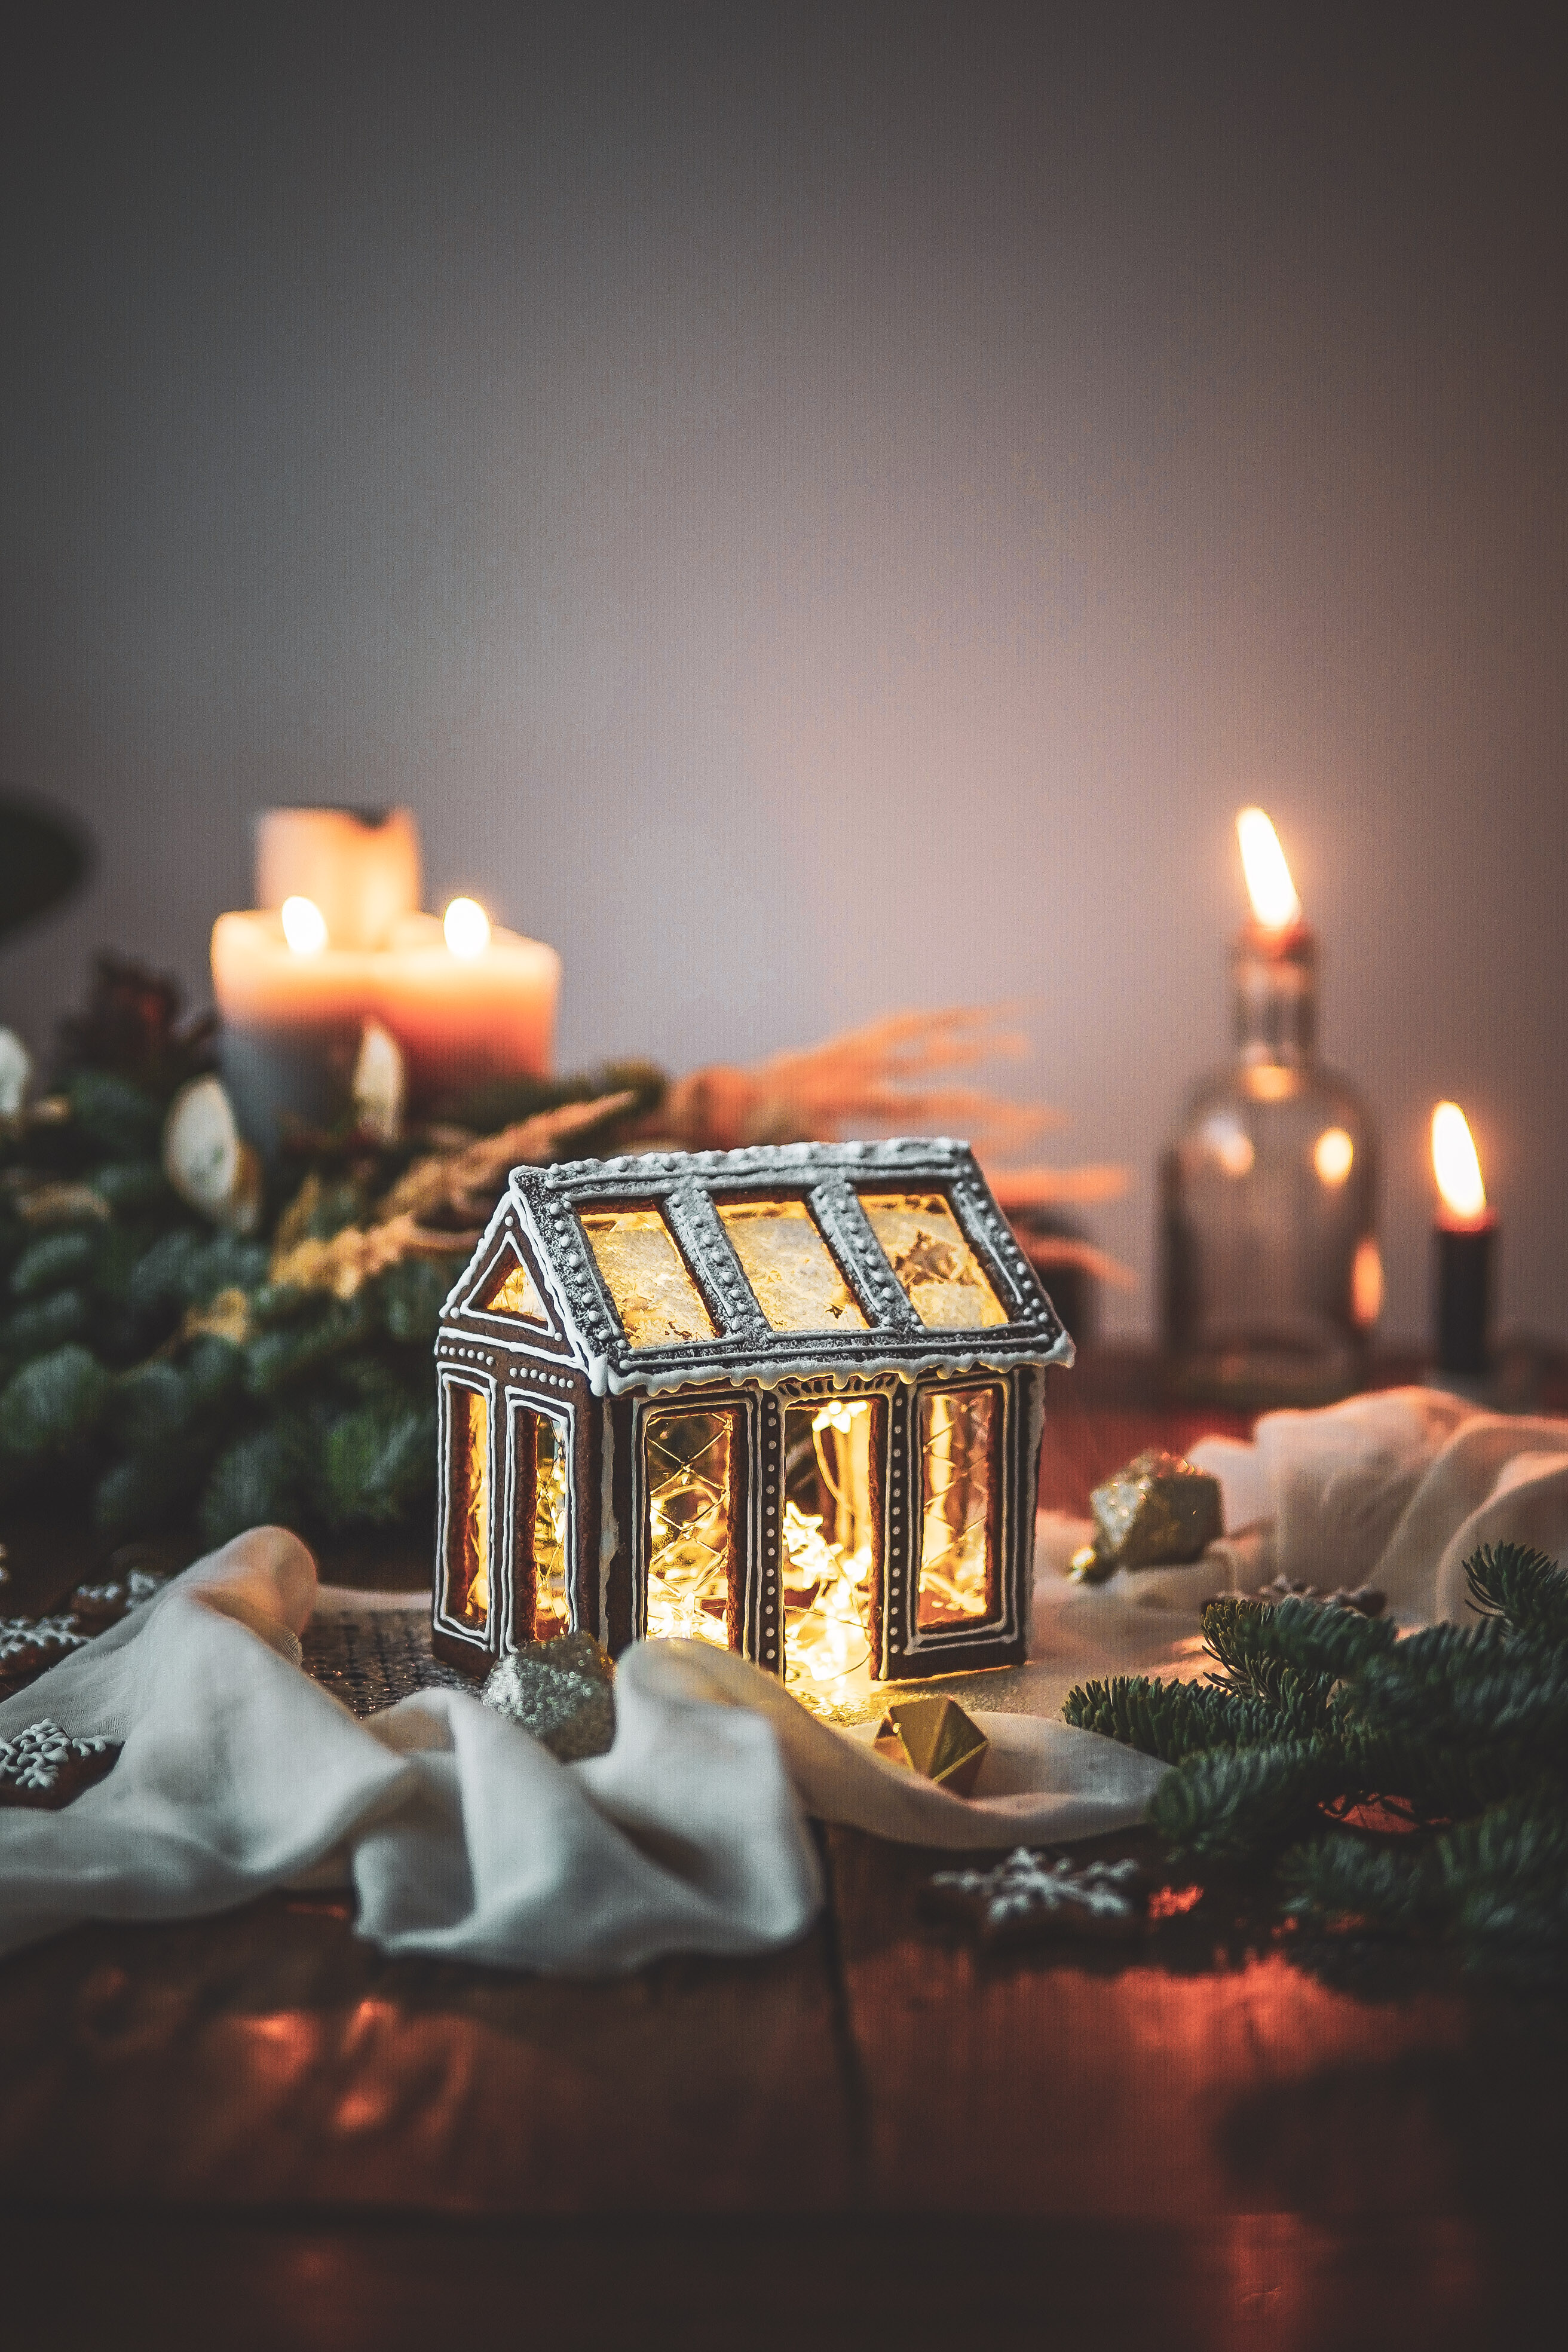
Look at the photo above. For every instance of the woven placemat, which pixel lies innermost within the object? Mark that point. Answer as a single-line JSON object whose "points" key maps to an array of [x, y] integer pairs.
{"points": [[371, 1658]]}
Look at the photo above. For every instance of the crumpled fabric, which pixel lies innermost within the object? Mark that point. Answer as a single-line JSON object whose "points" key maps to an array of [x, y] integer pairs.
{"points": [[460, 1835], [1393, 1490]]}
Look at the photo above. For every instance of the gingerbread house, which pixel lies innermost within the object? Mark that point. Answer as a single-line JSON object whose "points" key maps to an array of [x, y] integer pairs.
{"points": [[788, 1399]]}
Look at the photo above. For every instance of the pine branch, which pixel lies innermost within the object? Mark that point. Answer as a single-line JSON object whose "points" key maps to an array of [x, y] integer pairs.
{"points": [[53, 1405], [1435, 1777], [259, 1480], [374, 1464], [1514, 1581], [1174, 1720], [1469, 1683], [1495, 1887], [1256, 1642], [1241, 1807]]}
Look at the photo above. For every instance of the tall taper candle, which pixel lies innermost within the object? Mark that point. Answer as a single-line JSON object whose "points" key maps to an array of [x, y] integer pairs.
{"points": [[1463, 1240]]}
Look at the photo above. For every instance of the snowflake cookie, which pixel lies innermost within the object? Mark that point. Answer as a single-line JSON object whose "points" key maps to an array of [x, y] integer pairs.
{"points": [[1032, 1894], [28, 1644], [47, 1765], [93, 1607]]}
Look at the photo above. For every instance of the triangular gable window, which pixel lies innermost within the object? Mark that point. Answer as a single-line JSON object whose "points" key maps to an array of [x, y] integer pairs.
{"points": [[512, 1290]]}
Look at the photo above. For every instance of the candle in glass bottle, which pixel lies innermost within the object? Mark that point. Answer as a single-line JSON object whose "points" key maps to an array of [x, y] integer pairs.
{"points": [[1271, 1273]]}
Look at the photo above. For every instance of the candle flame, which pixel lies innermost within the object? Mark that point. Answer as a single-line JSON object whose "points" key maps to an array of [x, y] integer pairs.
{"points": [[467, 929], [304, 926], [1455, 1165], [1268, 885]]}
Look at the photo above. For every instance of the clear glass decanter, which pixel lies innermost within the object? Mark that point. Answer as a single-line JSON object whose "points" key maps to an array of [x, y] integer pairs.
{"points": [[1271, 1275]]}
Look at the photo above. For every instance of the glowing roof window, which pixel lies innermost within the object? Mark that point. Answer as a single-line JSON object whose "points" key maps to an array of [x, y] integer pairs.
{"points": [[942, 1279], [789, 1266], [653, 1294]]}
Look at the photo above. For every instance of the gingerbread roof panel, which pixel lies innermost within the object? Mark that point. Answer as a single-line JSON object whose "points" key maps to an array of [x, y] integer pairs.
{"points": [[664, 1269]]}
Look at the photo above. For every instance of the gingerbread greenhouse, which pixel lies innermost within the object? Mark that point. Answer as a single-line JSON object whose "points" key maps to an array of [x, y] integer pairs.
{"points": [[788, 1399]]}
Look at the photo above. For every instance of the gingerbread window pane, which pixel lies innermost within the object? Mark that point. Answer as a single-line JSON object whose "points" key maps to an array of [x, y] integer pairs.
{"points": [[830, 1534], [547, 1523], [789, 1265], [959, 1431], [468, 1518], [513, 1291], [942, 1279], [691, 1468], [655, 1297]]}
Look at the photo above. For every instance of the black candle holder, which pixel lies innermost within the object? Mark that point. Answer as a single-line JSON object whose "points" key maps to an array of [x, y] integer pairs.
{"points": [[1462, 1288]]}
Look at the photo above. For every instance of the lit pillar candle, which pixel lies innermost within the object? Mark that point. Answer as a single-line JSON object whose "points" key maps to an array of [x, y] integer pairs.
{"points": [[292, 1009], [467, 1001], [297, 980], [1464, 1239]]}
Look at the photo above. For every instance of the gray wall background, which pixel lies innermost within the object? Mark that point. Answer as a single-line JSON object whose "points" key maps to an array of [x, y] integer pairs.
{"points": [[822, 510]]}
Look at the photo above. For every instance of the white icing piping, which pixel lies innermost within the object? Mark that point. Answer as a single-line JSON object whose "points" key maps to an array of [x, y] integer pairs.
{"points": [[605, 1380], [609, 1525]]}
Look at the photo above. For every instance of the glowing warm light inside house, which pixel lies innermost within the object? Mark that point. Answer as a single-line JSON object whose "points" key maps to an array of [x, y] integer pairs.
{"points": [[958, 1442], [547, 1532], [1333, 1156], [304, 926], [468, 1530], [689, 1461], [467, 929], [1455, 1164], [1275, 905], [829, 1532], [940, 1276]]}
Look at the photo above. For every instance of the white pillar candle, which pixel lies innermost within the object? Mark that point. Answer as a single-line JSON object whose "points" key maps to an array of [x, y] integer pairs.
{"points": [[359, 866], [291, 1024]]}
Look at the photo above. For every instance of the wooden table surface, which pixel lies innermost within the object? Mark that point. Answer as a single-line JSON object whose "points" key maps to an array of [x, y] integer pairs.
{"points": [[255, 2130]]}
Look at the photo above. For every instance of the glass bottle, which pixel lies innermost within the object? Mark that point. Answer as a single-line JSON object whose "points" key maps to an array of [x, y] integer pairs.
{"points": [[1272, 1275]]}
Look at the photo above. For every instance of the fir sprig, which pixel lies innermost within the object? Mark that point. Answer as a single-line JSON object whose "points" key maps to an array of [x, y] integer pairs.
{"points": [[1521, 1585], [1314, 1715], [1174, 1720], [1254, 1642], [1495, 1888]]}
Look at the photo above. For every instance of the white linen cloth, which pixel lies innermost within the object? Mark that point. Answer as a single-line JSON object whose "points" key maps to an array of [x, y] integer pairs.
{"points": [[462, 1837], [1393, 1490]]}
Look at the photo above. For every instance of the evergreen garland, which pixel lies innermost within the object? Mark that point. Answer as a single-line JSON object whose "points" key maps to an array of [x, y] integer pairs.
{"points": [[169, 1376], [1313, 1716]]}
